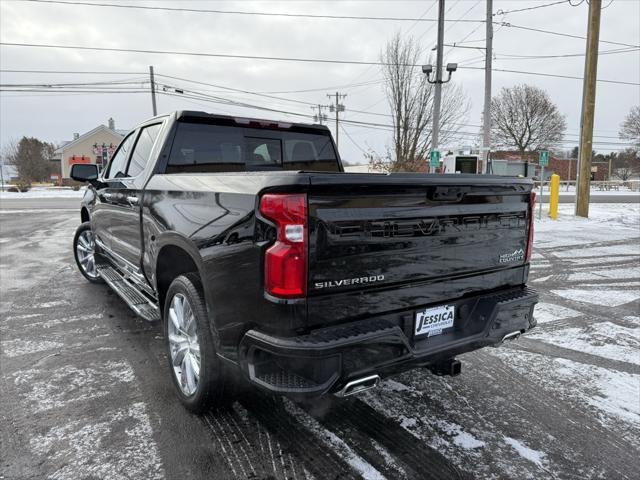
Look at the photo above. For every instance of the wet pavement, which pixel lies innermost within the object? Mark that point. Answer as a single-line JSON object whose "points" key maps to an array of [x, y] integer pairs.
{"points": [[86, 392]]}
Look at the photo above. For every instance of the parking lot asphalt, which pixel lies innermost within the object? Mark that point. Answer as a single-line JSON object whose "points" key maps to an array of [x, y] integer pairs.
{"points": [[85, 388]]}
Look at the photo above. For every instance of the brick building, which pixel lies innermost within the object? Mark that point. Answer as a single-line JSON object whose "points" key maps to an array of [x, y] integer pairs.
{"points": [[565, 167]]}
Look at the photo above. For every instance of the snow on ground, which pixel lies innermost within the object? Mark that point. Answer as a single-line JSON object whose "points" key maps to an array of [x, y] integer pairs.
{"points": [[332, 441], [81, 449], [530, 454], [605, 339], [44, 192], [606, 222], [612, 298], [608, 274], [548, 312], [612, 395], [581, 255]]}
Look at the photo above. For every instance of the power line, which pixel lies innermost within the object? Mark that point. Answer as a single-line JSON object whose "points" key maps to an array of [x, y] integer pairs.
{"points": [[344, 130], [552, 75], [71, 91], [282, 59], [568, 35], [72, 72], [368, 69], [194, 95], [219, 100], [504, 12], [73, 85], [231, 102], [305, 15], [503, 56], [196, 54], [461, 19], [308, 90], [509, 56], [244, 12], [234, 89], [363, 112], [111, 85]]}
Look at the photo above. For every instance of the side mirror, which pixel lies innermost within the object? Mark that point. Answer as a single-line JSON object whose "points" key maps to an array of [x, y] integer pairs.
{"points": [[84, 172]]}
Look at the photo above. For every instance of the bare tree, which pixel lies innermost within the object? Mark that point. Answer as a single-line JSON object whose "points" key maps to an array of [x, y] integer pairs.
{"points": [[525, 118], [410, 98], [626, 164], [630, 128]]}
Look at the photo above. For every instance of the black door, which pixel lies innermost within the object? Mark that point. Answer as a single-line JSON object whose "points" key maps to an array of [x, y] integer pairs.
{"points": [[125, 228], [101, 218]]}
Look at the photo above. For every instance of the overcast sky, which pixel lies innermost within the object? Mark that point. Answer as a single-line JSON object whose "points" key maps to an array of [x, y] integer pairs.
{"points": [[56, 116]]}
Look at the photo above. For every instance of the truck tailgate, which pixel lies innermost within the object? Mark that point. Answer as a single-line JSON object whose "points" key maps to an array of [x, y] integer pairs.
{"points": [[373, 238]]}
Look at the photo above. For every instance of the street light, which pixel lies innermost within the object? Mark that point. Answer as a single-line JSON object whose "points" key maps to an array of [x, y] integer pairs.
{"points": [[428, 70]]}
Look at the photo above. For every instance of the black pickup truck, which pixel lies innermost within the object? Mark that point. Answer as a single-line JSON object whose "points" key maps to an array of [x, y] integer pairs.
{"points": [[265, 260]]}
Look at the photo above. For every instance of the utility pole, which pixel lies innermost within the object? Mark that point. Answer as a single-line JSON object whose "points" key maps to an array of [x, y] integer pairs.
{"points": [[588, 110], [153, 91], [319, 117], [438, 93], [1, 173], [434, 155], [338, 107], [486, 116]]}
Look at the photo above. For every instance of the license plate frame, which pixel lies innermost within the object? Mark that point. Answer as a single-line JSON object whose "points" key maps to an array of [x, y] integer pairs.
{"points": [[433, 321]]}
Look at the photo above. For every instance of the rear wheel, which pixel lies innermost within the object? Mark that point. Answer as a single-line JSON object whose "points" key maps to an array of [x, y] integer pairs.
{"points": [[84, 250], [196, 371]]}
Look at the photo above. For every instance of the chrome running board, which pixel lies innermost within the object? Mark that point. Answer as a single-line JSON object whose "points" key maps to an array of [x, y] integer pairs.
{"points": [[142, 305]]}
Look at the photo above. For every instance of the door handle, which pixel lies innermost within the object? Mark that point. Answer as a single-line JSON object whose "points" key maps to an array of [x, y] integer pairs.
{"points": [[133, 200]]}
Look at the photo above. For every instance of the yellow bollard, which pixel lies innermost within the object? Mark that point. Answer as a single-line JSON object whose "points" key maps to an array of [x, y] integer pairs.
{"points": [[554, 196]]}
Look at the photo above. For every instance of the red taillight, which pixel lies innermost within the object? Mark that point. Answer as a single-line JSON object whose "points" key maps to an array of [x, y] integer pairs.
{"points": [[285, 263], [532, 212]]}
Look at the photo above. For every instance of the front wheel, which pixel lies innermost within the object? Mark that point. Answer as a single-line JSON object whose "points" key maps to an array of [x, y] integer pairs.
{"points": [[84, 250], [196, 371]]}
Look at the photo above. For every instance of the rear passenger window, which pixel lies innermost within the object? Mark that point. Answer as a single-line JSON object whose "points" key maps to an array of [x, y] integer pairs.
{"points": [[206, 148], [142, 150]]}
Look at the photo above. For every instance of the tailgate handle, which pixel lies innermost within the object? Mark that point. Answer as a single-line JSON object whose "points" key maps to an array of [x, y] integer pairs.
{"points": [[447, 194]]}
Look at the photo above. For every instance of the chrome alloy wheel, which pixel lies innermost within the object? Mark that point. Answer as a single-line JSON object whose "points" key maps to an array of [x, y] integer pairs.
{"points": [[183, 344], [86, 249]]}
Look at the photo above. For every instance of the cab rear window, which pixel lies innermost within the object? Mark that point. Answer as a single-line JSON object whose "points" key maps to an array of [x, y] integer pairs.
{"points": [[199, 147]]}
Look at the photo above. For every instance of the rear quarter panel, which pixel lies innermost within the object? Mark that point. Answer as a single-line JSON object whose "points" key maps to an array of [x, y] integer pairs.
{"points": [[212, 217]]}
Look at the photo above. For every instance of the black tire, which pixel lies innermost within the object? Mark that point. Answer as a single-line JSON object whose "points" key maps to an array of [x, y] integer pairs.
{"points": [[82, 231], [212, 388]]}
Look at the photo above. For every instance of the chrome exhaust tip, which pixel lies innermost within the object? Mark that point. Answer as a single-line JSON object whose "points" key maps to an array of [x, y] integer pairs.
{"points": [[359, 385], [509, 336], [512, 336]]}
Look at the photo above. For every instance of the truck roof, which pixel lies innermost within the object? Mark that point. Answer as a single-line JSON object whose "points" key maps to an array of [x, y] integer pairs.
{"points": [[237, 119]]}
